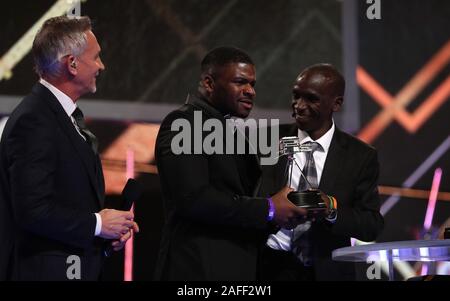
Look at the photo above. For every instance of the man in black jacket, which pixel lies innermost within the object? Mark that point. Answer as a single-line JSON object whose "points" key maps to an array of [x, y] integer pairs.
{"points": [[214, 223], [51, 179], [345, 171]]}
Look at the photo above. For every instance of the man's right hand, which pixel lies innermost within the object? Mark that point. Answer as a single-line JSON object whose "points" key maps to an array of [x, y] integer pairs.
{"points": [[287, 215], [115, 223], [119, 244]]}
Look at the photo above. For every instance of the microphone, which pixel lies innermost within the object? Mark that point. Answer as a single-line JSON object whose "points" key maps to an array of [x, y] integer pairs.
{"points": [[130, 193]]}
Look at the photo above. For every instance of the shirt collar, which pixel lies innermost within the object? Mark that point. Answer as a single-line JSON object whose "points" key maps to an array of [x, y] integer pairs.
{"points": [[66, 102], [324, 141]]}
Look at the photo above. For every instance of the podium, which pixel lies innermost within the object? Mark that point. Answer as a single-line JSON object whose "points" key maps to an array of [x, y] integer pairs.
{"points": [[409, 250]]}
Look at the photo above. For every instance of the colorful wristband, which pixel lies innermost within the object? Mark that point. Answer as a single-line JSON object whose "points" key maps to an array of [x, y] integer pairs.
{"points": [[332, 209], [332, 202], [271, 210]]}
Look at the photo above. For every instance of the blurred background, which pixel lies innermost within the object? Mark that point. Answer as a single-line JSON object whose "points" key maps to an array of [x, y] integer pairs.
{"points": [[395, 56]]}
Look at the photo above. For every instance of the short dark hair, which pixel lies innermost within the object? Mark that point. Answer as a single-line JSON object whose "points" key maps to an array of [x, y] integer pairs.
{"points": [[59, 36], [336, 79], [224, 55]]}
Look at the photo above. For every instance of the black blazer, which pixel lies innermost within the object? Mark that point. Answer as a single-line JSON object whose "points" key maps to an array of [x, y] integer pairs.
{"points": [[213, 222], [51, 184], [350, 174]]}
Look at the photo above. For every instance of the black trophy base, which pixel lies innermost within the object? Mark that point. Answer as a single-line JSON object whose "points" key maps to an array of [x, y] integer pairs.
{"points": [[309, 200]]}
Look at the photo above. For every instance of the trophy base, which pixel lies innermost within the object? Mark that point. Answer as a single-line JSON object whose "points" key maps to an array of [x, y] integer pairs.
{"points": [[309, 200]]}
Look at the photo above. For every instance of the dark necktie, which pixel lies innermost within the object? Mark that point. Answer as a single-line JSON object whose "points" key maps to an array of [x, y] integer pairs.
{"points": [[301, 242], [90, 138]]}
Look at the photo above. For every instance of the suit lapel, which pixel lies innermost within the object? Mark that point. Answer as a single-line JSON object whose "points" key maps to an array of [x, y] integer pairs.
{"points": [[82, 148], [333, 163]]}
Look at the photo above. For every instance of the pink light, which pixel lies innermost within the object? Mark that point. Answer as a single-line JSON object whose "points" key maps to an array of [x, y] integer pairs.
{"points": [[128, 258], [424, 269], [432, 200]]}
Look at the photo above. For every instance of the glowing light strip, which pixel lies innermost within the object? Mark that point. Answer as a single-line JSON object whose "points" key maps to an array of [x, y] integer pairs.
{"points": [[120, 165], [394, 107], [21, 48], [411, 122], [425, 256], [403, 267], [429, 106], [424, 269], [415, 176], [432, 201], [140, 137], [412, 193], [423, 77], [128, 258]]}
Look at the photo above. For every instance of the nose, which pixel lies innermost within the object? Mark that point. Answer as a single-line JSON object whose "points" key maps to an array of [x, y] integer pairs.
{"points": [[298, 103], [101, 65], [249, 91]]}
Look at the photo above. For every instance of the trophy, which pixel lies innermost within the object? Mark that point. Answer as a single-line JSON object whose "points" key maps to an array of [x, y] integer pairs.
{"points": [[309, 199]]}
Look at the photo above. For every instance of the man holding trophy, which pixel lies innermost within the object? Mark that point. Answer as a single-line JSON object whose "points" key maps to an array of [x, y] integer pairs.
{"points": [[335, 177], [215, 223]]}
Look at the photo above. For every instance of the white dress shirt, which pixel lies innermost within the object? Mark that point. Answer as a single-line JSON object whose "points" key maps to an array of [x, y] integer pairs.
{"points": [[69, 107], [282, 239]]}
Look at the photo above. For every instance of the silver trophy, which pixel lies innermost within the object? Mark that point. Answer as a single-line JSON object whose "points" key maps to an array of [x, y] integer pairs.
{"points": [[309, 199]]}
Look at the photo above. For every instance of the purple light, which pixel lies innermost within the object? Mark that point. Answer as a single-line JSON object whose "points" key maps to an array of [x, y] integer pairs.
{"points": [[415, 176], [432, 199], [424, 269]]}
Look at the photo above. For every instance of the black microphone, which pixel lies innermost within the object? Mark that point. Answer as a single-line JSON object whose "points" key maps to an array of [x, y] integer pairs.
{"points": [[130, 193]]}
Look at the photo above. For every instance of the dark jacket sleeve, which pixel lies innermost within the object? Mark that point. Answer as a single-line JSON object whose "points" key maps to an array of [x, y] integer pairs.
{"points": [[363, 220], [32, 162], [186, 181]]}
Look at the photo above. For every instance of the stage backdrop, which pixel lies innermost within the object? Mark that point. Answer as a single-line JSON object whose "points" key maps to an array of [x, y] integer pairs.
{"points": [[397, 71]]}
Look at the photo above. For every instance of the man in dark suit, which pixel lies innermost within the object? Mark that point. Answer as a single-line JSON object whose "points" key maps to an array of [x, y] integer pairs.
{"points": [[52, 187], [214, 223], [346, 172]]}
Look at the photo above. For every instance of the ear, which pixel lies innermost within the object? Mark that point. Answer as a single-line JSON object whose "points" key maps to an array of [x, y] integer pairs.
{"points": [[337, 104], [208, 83], [71, 65]]}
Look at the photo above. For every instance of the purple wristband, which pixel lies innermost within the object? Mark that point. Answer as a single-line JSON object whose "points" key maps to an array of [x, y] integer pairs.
{"points": [[271, 210]]}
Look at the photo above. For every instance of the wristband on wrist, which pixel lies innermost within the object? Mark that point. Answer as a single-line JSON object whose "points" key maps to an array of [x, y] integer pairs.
{"points": [[332, 209], [335, 205], [271, 210], [332, 202]]}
